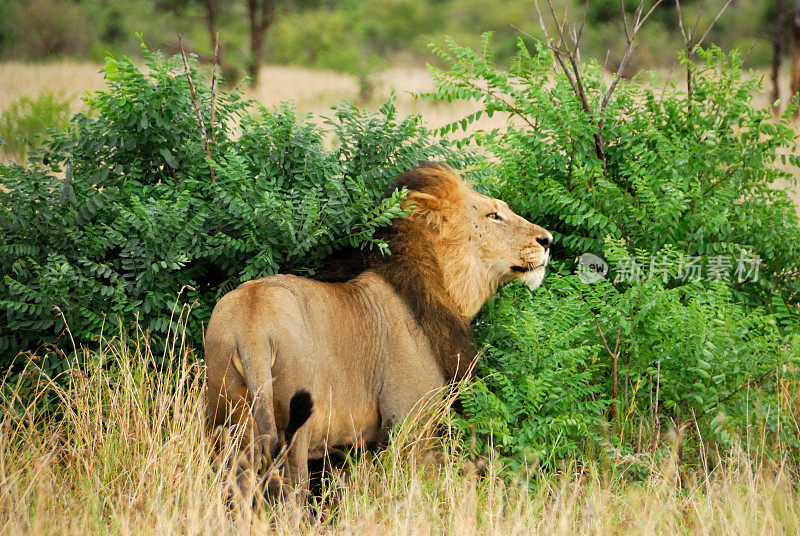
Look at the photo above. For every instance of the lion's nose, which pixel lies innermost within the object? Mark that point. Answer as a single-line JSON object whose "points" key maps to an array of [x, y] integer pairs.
{"points": [[545, 241]]}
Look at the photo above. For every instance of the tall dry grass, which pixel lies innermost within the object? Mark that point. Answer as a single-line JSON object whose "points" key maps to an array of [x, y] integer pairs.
{"points": [[128, 455]]}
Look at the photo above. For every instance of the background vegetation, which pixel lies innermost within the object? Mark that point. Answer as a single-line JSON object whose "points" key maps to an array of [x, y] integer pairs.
{"points": [[125, 216], [126, 223], [358, 36], [575, 368], [120, 211]]}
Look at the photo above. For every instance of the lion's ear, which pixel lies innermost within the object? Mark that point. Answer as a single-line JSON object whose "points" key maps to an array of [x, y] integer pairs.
{"points": [[434, 210], [436, 191]]}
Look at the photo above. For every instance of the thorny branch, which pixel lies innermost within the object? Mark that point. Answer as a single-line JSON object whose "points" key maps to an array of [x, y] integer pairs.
{"points": [[196, 107], [214, 85], [511, 107], [691, 44], [564, 54], [569, 61], [614, 364]]}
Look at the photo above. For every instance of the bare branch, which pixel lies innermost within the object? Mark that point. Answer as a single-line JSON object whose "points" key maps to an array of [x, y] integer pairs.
{"points": [[541, 20], [605, 61], [559, 25], [583, 22], [697, 20], [713, 22], [629, 36], [575, 83], [688, 39], [214, 85], [575, 69], [624, 16], [691, 44], [563, 52], [647, 16], [637, 18], [196, 105], [557, 53], [680, 21], [575, 80]]}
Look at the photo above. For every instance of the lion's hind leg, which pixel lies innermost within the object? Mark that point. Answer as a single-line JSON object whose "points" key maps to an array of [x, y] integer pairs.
{"points": [[256, 358]]}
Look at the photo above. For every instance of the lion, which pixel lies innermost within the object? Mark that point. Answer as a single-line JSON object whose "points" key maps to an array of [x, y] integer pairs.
{"points": [[312, 365]]}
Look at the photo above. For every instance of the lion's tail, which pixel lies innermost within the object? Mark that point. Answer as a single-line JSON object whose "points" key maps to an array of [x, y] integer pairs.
{"points": [[300, 408]]}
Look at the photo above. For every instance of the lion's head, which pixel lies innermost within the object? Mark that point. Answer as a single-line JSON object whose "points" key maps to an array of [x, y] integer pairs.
{"points": [[479, 241]]}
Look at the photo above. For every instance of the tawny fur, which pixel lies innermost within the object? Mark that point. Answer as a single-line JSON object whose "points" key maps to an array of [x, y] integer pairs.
{"points": [[369, 349]]}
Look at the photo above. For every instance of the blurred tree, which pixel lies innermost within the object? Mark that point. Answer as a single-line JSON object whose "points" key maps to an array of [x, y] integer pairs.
{"points": [[795, 82], [212, 10], [260, 16], [41, 28], [778, 37]]}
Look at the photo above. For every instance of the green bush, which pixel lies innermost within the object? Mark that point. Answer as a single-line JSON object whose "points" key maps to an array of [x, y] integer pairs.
{"points": [[689, 356], [681, 178], [118, 214], [694, 173], [24, 122]]}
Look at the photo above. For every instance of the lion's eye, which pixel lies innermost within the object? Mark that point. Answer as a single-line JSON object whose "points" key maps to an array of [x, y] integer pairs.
{"points": [[494, 216]]}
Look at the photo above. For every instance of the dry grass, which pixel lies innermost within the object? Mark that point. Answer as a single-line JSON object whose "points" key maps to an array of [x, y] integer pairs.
{"points": [[130, 456], [70, 78], [312, 91]]}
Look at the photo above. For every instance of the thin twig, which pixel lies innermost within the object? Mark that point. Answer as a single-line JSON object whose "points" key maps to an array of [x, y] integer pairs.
{"points": [[563, 54], [625, 16], [214, 86], [578, 81], [638, 20], [541, 20], [577, 73], [557, 53], [559, 25], [686, 38], [714, 22], [575, 80], [647, 16], [697, 20], [614, 364], [196, 106], [691, 44], [583, 23]]}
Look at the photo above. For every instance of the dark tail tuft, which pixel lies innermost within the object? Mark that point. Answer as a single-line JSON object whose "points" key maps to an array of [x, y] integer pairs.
{"points": [[300, 408]]}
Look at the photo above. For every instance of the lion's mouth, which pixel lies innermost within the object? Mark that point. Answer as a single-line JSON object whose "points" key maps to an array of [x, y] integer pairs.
{"points": [[529, 267]]}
